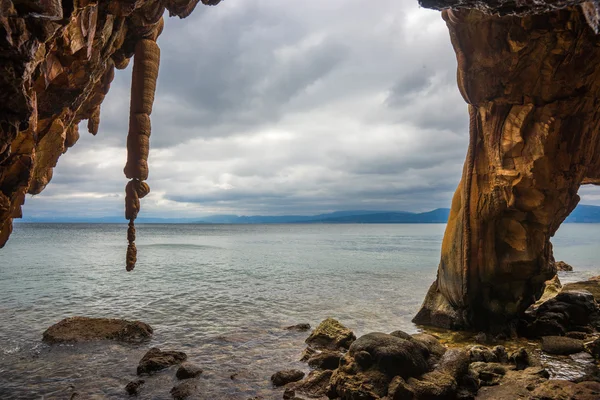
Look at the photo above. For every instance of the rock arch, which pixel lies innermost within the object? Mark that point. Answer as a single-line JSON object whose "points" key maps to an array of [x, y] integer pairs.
{"points": [[533, 89]]}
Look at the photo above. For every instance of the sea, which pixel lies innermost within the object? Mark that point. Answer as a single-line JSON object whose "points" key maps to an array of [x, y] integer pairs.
{"points": [[221, 293]]}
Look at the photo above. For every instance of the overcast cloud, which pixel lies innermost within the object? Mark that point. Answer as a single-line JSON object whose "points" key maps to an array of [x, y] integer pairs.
{"points": [[278, 107]]}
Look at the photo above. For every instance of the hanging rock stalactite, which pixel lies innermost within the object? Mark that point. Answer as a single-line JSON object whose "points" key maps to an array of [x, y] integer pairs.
{"points": [[57, 61], [533, 89]]}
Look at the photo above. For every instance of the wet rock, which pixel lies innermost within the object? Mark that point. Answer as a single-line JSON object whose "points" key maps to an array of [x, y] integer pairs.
{"points": [[156, 360], [563, 266], [501, 355], [568, 311], [133, 387], [332, 335], [282, 378], [325, 360], [455, 362], [561, 345], [392, 355], [433, 385], [521, 359], [81, 329], [315, 385], [184, 389], [565, 390], [489, 374], [399, 390], [188, 370], [431, 342], [299, 327], [350, 382], [482, 354], [591, 285], [307, 353], [363, 359]]}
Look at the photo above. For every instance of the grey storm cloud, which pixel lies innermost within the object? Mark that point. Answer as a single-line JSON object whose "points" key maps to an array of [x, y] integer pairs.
{"points": [[280, 107]]}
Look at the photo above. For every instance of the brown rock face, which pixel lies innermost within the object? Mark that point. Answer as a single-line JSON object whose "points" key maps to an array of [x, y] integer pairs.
{"points": [[532, 86], [57, 60]]}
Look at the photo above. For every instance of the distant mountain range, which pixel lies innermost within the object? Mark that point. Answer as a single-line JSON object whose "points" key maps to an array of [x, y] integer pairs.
{"points": [[582, 214]]}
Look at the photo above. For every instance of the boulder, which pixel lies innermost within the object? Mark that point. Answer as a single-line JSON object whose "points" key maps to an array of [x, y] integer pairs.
{"points": [[332, 335], [282, 378], [188, 370], [565, 390], [156, 359], [568, 311], [82, 329], [561, 345], [325, 360], [392, 355], [133, 387], [184, 389], [563, 266], [591, 285]]}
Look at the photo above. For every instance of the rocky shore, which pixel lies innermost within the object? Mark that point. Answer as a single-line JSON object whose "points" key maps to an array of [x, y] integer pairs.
{"points": [[553, 354]]}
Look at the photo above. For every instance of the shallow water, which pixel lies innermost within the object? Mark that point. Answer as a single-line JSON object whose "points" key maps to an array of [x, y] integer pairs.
{"points": [[221, 293]]}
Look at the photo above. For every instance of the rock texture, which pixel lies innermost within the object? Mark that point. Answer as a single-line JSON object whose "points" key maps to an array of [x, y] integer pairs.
{"points": [[331, 335], [57, 61], [532, 86], [156, 359], [83, 329]]}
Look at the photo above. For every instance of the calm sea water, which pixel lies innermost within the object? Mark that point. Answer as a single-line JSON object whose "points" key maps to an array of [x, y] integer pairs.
{"points": [[221, 293]]}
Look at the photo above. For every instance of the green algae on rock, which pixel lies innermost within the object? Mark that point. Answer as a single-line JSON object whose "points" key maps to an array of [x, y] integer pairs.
{"points": [[82, 329]]}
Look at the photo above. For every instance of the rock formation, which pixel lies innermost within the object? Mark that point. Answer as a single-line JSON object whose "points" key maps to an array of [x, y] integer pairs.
{"points": [[57, 60], [532, 88]]}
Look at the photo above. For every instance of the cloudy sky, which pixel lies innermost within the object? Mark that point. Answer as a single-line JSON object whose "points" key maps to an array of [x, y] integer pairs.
{"points": [[277, 107]]}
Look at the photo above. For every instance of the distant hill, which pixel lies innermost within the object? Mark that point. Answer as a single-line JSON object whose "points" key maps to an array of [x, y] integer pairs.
{"points": [[585, 214], [582, 214]]}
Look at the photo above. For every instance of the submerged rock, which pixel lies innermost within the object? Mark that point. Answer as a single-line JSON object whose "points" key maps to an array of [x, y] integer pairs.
{"points": [[330, 334], [188, 370], [282, 378], [184, 390], [133, 387], [156, 359], [81, 329], [561, 345], [298, 327]]}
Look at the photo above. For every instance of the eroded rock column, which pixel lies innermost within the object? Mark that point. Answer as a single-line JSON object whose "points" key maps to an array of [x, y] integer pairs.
{"points": [[533, 86]]}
